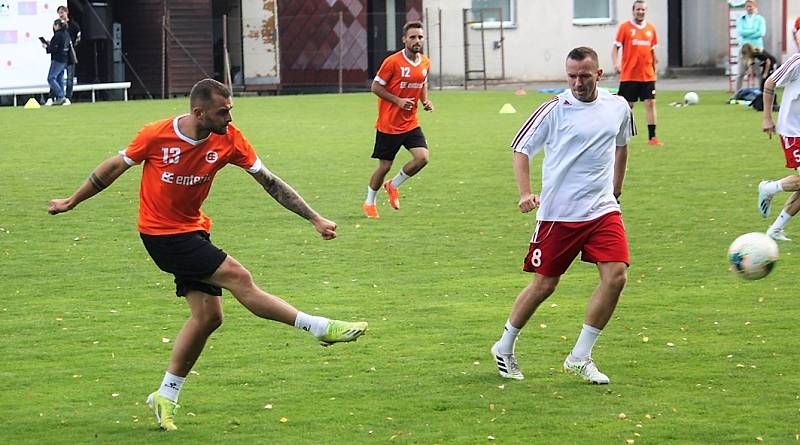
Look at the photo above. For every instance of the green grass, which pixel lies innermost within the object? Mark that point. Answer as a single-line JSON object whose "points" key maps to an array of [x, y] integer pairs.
{"points": [[83, 309]]}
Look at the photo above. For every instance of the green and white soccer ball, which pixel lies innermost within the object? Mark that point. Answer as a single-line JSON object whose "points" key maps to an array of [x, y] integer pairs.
{"points": [[753, 255]]}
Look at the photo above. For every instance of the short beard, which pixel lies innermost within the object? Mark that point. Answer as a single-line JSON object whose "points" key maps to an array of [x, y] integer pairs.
{"points": [[220, 131]]}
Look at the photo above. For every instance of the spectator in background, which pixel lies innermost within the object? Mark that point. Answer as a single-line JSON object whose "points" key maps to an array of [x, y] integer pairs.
{"points": [[796, 35], [74, 31], [760, 61], [58, 48], [751, 28]]}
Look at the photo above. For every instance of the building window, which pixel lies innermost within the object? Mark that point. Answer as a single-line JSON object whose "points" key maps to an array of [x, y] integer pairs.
{"points": [[491, 12], [593, 12]]}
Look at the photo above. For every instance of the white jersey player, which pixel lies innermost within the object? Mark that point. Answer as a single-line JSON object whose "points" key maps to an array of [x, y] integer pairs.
{"points": [[788, 129], [584, 133]]}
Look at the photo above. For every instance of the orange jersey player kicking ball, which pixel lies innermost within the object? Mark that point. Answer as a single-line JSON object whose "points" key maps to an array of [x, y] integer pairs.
{"points": [[181, 157], [401, 82]]}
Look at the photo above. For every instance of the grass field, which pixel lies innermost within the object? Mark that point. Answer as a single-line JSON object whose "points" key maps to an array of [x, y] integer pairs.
{"points": [[696, 355]]}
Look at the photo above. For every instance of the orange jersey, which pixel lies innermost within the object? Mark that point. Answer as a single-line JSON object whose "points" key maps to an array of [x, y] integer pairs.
{"points": [[178, 171], [638, 43], [405, 79]]}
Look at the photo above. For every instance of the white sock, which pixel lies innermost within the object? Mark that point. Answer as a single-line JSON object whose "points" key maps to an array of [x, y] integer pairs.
{"points": [[585, 343], [781, 221], [510, 334], [317, 326], [773, 187], [371, 194], [171, 386], [400, 178]]}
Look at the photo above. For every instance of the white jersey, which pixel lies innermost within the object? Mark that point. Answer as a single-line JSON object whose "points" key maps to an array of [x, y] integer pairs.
{"points": [[579, 141], [788, 76]]}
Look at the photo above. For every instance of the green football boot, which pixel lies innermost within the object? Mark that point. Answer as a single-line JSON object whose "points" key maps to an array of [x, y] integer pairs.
{"points": [[164, 410], [342, 331]]}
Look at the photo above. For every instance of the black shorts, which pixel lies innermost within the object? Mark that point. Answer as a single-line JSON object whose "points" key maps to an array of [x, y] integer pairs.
{"points": [[190, 257], [387, 145], [635, 91]]}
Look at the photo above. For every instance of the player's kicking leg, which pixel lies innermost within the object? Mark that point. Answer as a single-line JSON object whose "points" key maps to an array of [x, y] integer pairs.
{"points": [[613, 276], [236, 278]]}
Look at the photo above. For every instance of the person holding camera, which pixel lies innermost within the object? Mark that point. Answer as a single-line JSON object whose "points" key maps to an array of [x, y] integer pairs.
{"points": [[58, 48], [74, 31]]}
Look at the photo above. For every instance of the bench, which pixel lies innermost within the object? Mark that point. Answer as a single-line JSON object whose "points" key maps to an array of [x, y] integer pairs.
{"points": [[44, 89]]}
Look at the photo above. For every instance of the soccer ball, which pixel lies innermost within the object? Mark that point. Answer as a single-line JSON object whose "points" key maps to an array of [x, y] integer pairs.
{"points": [[753, 255], [691, 98]]}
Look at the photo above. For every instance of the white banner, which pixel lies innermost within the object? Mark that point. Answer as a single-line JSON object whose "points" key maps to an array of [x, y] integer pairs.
{"points": [[23, 61]]}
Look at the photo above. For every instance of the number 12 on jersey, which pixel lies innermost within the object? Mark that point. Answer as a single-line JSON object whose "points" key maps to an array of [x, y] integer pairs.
{"points": [[171, 154]]}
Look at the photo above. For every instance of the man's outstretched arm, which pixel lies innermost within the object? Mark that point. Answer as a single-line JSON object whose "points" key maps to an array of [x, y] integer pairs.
{"points": [[290, 199], [102, 176]]}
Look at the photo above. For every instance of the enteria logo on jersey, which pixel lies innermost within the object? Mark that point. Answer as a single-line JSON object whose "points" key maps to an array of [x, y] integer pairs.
{"points": [[170, 178]]}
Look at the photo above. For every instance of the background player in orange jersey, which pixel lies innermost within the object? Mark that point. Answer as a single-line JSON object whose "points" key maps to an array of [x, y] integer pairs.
{"points": [[181, 156], [401, 82], [637, 70]]}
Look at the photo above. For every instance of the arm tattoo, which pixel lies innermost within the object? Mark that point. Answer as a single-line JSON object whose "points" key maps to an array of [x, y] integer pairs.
{"points": [[284, 193], [97, 182]]}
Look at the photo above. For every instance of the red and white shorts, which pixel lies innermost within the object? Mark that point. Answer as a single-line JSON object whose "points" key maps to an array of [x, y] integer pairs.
{"points": [[555, 244], [791, 149]]}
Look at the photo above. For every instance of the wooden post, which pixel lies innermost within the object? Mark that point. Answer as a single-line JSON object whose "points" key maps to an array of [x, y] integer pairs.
{"points": [[226, 61]]}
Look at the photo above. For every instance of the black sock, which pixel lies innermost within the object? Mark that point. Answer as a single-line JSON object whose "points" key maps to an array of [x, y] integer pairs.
{"points": [[651, 131]]}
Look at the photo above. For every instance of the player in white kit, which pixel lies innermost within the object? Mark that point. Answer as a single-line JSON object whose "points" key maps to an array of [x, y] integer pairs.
{"points": [[788, 128], [584, 133]]}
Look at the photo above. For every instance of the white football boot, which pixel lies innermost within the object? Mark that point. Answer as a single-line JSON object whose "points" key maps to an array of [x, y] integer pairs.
{"points": [[587, 370], [764, 200], [778, 235], [506, 364]]}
